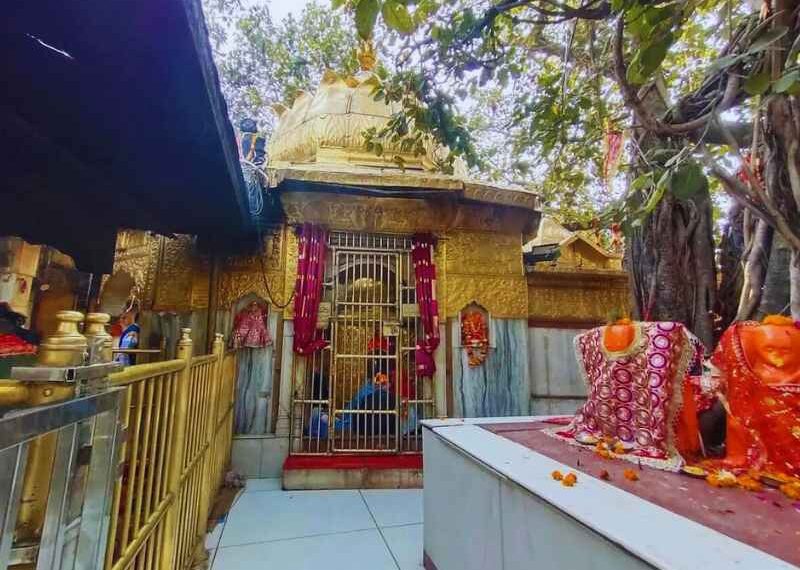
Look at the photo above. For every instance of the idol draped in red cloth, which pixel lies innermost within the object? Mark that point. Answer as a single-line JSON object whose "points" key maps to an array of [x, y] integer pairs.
{"points": [[313, 248], [425, 272], [250, 327], [638, 394]]}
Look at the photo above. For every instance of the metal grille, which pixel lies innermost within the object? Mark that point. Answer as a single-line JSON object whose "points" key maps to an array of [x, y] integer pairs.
{"points": [[361, 393]]}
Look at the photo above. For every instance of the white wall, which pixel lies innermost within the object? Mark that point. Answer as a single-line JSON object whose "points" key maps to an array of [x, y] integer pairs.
{"points": [[556, 384]]}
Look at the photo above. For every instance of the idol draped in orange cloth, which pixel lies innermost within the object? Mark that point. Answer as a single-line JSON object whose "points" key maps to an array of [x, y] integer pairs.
{"points": [[760, 368]]}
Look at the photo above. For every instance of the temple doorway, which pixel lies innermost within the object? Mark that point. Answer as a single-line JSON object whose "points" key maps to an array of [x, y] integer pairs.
{"points": [[361, 394]]}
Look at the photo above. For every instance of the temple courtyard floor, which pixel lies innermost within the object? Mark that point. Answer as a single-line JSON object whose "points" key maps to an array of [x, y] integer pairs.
{"points": [[308, 530]]}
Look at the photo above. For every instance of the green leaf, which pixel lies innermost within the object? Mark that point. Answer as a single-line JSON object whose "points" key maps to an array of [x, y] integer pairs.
{"points": [[786, 81], [366, 15], [725, 61], [767, 38], [336, 4], [397, 17], [652, 56], [688, 181], [424, 9], [641, 182], [757, 84], [658, 193]]}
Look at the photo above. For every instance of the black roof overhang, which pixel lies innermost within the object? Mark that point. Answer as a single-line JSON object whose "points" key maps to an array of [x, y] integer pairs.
{"points": [[111, 117]]}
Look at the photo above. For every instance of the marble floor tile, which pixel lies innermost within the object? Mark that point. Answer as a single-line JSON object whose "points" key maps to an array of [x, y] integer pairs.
{"points": [[261, 517], [405, 543], [393, 507], [212, 538], [346, 551], [254, 485]]}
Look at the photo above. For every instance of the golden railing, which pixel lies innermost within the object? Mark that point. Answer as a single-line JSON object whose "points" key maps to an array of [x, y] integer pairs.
{"points": [[178, 420]]}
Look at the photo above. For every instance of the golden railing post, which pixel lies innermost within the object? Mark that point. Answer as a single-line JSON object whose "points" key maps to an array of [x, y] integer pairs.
{"points": [[65, 347], [177, 459], [208, 490]]}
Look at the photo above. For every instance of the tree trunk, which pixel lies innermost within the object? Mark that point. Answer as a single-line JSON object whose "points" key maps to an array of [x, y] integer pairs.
{"points": [[670, 257], [671, 264], [732, 248], [781, 151], [756, 261]]}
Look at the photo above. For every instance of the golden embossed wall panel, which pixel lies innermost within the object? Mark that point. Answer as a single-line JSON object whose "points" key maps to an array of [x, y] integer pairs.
{"points": [[175, 279], [593, 299], [440, 213], [241, 275], [485, 268], [137, 255]]}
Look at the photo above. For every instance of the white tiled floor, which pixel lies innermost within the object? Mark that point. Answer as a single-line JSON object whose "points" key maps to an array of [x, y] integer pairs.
{"points": [[269, 528]]}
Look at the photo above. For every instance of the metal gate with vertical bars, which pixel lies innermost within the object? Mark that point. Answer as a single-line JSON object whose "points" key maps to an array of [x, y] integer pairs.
{"points": [[361, 394]]}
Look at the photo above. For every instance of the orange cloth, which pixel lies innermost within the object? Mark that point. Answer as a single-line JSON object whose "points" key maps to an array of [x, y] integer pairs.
{"points": [[760, 367]]}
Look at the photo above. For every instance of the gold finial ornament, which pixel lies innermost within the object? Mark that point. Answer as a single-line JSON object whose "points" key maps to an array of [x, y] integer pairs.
{"points": [[66, 346], [96, 329], [366, 55]]}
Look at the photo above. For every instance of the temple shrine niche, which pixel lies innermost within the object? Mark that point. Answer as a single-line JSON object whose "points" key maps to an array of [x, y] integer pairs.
{"points": [[396, 248]]}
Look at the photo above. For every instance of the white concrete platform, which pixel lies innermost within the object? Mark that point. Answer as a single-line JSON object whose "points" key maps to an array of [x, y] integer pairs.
{"points": [[491, 503]]}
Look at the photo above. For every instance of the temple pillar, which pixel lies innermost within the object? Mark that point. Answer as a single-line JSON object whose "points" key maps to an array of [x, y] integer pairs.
{"points": [[440, 377], [282, 426]]}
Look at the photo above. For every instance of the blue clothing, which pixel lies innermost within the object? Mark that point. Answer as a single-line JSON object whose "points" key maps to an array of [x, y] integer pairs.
{"points": [[129, 339]]}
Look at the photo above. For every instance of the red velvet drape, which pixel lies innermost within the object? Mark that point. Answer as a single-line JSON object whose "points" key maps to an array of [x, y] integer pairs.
{"points": [[313, 247], [425, 271]]}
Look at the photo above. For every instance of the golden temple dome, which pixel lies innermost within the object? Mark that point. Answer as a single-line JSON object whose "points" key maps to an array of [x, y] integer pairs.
{"points": [[327, 126]]}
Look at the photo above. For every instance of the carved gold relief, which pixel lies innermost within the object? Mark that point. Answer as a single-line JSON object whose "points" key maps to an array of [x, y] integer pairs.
{"points": [[137, 255], [438, 213], [484, 253], [593, 299], [176, 278], [274, 280], [505, 297]]}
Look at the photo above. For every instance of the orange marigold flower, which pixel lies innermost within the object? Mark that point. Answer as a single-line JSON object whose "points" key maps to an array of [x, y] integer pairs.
{"points": [[557, 475], [748, 483], [619, 449], [631, 475], [722, 478], [569, 480], [791, 490]]}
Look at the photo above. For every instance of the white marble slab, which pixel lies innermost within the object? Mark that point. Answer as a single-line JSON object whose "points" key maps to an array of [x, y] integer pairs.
{"points": [[462, 515], [270, 516], [346, 551], [405, 543], [592, 515], [394, 507]]}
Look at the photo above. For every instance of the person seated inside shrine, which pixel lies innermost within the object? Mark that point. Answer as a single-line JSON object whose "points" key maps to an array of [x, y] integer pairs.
{"points": [[379, 393], [641, 402], [759, 370], [129, 335]]}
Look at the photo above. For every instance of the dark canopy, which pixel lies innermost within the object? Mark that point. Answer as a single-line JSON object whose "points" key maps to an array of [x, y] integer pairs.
{"points": [[112, 117]]}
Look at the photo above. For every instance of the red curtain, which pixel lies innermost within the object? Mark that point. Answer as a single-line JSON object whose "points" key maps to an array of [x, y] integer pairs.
{"points": [[313, 247], [425, 271]]}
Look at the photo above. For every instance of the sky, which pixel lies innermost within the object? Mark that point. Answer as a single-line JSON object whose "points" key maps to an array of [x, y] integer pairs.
{"points": [[282, 8]]}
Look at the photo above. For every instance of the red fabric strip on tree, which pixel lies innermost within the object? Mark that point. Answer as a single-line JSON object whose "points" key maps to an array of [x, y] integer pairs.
{"points": [[425, 272], [313, 247]]}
